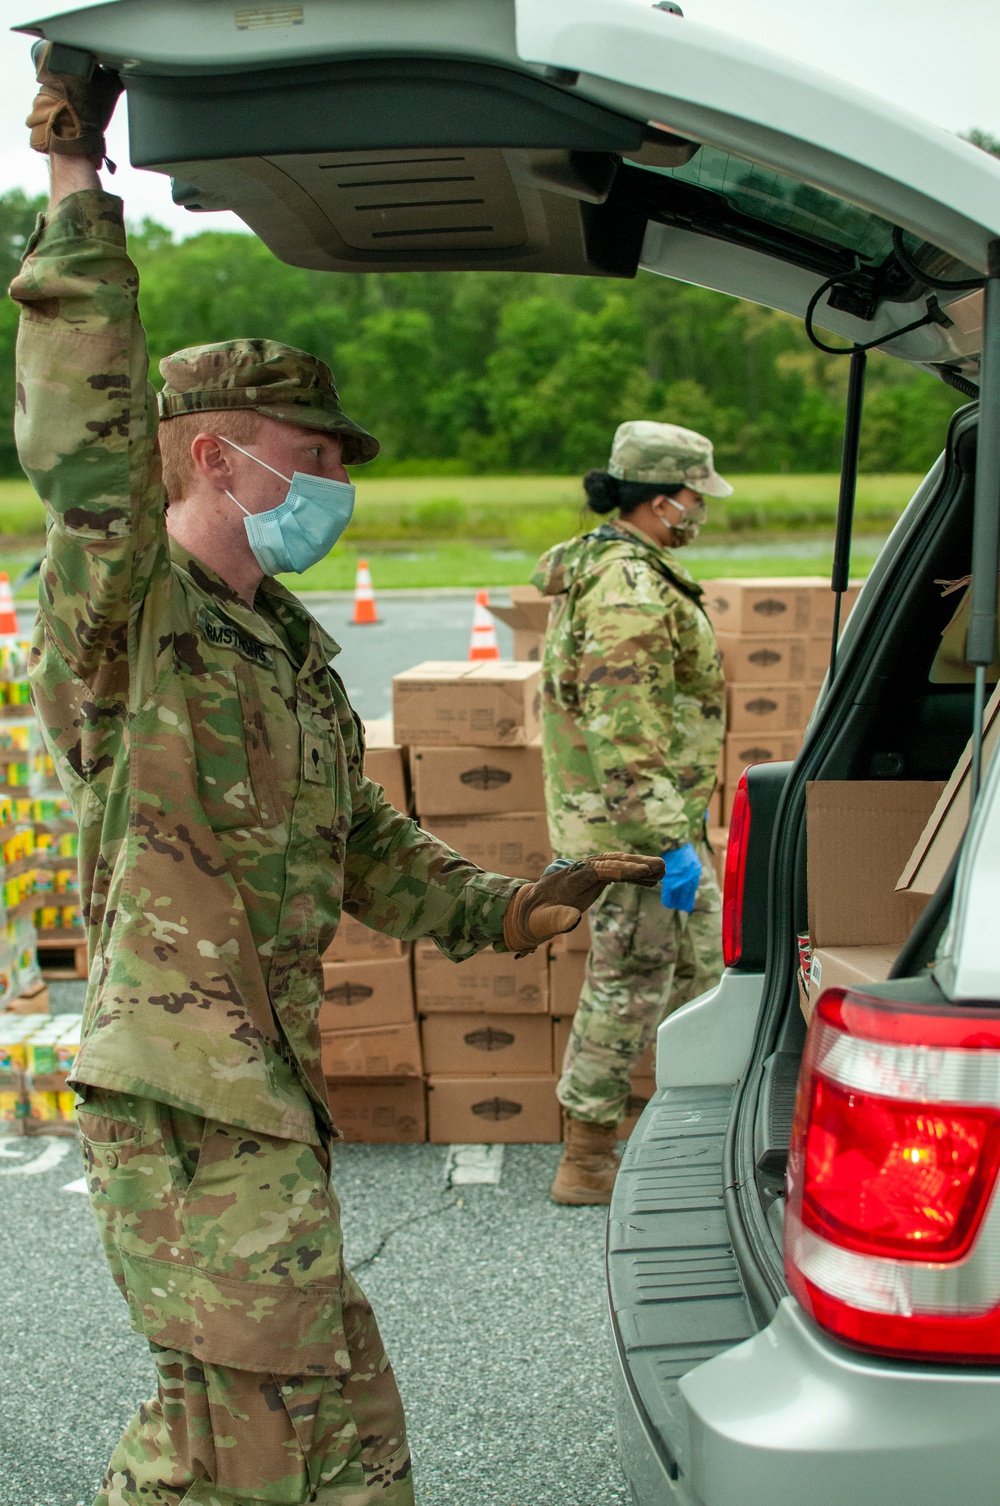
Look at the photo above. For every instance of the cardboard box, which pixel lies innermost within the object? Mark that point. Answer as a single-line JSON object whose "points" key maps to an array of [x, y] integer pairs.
{"points": [[718, 841], [577, 940], [859, 835], [528, 647], [743, 749], [938, 842], [512, 843], [377, 1051], [493, 1110], [766, 709], [491, 982], [528, 611], [453, 703], [774, 605], [468, 1045], [561, 1030], [384, 763], [847, 967], [469, 781], [357, 994], [774, 661], [566, 975], [713, 815], [355, 942], [379, 1111]]}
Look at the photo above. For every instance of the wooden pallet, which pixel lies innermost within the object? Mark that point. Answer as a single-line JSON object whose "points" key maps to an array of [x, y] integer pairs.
{"points": [[62, 957]]}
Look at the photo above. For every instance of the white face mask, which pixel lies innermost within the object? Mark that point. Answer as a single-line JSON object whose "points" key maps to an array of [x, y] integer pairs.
{"points": [[302, 529], [688, 525]]}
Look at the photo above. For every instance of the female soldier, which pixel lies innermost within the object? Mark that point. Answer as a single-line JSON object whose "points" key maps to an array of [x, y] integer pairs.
{"points": [[632, 724]]}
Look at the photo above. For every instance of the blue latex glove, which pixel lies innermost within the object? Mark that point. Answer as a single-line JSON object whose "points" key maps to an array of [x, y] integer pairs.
{"points": [[679, 885]]}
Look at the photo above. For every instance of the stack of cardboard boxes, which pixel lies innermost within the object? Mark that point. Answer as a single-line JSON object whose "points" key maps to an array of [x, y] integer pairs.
{"points": [[475, 763], [368, 1025], [774, 636]]}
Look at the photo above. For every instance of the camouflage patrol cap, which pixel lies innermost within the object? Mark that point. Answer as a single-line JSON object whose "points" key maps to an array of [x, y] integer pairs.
{"points": [[267, 377], [644, 451]]}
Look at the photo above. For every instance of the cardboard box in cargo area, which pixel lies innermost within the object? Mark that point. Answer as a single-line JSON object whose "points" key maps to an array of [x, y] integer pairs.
{"points": [[476, 782], [384, 763], [774, 605], [379, 1111], [466, 1045], [511, 842], [859, 834], [451, 702], [490, 982], [528, 616], [800, 660], [355, 942], [938, 842], [365, 993], [493, 1110], [374, 1051]]}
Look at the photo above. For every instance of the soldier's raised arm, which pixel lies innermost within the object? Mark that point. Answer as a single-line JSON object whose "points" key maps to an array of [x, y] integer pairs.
{"points": [[85, 419]]}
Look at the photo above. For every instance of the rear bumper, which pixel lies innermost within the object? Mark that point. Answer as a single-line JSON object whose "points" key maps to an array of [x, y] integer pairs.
{"points": [[709, 1413]]}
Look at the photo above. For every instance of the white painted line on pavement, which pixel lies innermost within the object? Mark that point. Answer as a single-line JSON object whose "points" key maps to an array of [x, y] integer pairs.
{"points": [[50, 1156], [80, 1185], [471, 1164], [11, 1150]]}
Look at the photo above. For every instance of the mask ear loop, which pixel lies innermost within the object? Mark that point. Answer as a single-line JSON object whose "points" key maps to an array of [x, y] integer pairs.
{"points": [[256, 458], [245, 510]]}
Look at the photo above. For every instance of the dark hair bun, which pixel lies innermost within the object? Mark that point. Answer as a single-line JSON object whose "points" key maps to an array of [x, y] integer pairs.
{"points": [[602, 491]]}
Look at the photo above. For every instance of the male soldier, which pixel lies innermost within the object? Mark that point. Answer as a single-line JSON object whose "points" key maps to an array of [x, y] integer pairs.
{"points": [[632, 724], [216, 768]]}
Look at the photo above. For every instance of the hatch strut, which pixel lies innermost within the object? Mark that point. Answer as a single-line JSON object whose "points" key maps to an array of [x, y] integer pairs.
{"points": [[981, 644], [840, 576]]}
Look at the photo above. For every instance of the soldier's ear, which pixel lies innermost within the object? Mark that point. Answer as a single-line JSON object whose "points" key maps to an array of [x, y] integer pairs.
{"points": [[210, 460]]}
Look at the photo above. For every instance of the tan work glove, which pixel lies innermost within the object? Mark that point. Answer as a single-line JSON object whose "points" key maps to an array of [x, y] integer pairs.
{"points": [[72, 108], [556, 902]]}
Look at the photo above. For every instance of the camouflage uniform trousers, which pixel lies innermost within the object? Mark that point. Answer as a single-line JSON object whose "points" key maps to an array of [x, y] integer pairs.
{"points": [[645, 961], [184, 1205]]}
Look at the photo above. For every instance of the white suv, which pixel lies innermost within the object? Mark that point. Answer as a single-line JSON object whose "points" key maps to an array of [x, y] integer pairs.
{"points": [[597, 137]]}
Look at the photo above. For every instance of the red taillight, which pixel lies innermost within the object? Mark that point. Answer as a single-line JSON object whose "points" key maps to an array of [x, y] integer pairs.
{"points": [[892, 1229], [736, 867]]}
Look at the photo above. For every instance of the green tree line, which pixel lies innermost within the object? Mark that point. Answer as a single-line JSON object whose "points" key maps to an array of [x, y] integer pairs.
{"points": [[477, 372]]}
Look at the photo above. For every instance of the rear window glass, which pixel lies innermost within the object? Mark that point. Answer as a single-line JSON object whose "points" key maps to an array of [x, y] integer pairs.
{"points": [[771, 197]]}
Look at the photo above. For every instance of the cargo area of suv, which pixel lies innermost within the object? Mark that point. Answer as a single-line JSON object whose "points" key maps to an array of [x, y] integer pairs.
{"points": [[603, 138]]}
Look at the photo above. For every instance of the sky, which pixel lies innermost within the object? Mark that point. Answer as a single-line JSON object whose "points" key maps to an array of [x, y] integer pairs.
{"points": [[938, 60]]}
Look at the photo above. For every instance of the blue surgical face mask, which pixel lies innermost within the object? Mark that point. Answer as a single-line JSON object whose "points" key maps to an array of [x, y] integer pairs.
{"points": [[304, 528]]}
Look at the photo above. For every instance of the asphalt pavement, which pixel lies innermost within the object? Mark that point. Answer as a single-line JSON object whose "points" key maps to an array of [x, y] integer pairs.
{"points": [[491, 1301]]}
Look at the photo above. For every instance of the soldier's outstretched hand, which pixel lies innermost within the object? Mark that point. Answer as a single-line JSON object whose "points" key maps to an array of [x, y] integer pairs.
{"points": [[75, 101], [556, 902]]}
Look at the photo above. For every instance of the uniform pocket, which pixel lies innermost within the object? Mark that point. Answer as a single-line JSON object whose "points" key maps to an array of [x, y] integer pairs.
{"points": [[216, 714]]}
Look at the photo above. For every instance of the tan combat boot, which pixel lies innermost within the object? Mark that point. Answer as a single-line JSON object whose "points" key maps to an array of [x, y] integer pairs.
{"points": [[589, 1165]]}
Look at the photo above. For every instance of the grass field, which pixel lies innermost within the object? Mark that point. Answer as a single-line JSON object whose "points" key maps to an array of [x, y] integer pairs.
{"points": [[489, 530]]}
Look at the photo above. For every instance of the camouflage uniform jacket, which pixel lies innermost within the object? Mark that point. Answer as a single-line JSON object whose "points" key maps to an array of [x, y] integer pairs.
{"points": [[211, 754], [632, 696]]}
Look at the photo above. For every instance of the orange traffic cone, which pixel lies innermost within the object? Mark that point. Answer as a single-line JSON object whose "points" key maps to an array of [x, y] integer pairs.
{"points": [[8, 615], [484, 643], [364, 597]]}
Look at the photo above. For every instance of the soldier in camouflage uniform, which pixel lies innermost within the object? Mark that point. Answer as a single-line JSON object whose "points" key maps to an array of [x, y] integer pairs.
{"points": [[632, 724], [215, 766]]}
